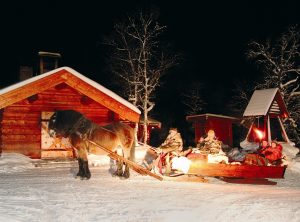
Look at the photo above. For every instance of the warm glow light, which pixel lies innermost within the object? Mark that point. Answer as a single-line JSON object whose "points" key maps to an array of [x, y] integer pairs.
{"points": [[259, 133], [181, 164]]}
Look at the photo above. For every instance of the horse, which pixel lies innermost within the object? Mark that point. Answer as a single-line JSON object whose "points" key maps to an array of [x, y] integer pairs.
{"points": [[75, 126]]}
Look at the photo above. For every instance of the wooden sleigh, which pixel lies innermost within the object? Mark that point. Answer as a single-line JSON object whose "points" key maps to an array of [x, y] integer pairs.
{"points": [[234, 173]]}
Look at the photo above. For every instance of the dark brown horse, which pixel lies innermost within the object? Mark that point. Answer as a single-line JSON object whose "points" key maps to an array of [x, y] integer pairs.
{"points": [[73, 125]]}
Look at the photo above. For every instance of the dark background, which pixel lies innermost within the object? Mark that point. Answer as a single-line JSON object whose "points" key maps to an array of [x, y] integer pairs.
{"points": [[212, 37]]}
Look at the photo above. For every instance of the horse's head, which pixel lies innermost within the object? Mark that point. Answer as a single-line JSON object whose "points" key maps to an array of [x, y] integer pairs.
{"points": [[62, 122], [52, 127]]}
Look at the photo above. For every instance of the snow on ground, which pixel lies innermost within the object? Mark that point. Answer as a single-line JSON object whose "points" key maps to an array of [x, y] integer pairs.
{"points": [[47, 191]]}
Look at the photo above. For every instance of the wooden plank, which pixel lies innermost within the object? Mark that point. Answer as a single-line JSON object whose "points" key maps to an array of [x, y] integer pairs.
{"points": [[199, 167], [57, 154], [20, 115], [28, 123], [20, 130], [20, 138], [8, 145], [137, 168]]}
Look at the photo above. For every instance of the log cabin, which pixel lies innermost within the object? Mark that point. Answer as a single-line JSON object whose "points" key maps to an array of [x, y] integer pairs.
{"points": [[26, 107]]}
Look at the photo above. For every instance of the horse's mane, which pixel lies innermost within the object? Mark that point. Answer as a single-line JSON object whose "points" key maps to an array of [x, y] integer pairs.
{"points": [[70, 121]]}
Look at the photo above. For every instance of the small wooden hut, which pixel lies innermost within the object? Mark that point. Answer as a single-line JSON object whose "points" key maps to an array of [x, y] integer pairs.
{"points": [[267, 108], [222, 125], [26, 107]]}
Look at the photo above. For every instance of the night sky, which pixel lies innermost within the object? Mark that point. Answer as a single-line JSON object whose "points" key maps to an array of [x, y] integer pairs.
{"points": [[212, 37]]}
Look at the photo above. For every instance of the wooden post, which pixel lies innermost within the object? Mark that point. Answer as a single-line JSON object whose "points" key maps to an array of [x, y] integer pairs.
{"points": [[283, 130], [41, 65], [249, 130], [269, 130]]}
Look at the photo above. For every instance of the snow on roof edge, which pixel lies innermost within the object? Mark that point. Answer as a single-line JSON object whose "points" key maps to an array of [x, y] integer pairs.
{"points": [[271, 95], [80, 76], [214, 115]]}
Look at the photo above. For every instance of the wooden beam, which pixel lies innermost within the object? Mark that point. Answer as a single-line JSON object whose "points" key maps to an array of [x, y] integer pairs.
{"points": [[283, 130], [137, 168], [269, 130]]}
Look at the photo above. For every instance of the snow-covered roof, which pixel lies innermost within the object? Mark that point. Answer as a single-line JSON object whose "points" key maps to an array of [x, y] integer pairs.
{"points": [[263, 100], [80, 76]]}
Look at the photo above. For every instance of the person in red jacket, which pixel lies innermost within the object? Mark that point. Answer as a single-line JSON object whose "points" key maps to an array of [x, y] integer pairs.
{"points": [[273, 153]]}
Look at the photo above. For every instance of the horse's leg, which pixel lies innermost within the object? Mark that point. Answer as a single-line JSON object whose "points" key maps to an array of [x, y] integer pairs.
{"points": [[80, 165], [119, 171], [84, 171], [119, 164], [126, 173]]}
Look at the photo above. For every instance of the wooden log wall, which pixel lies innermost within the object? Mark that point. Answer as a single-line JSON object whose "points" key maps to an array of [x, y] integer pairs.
{"points": [[222, 128], [1, 115], [21, 121]]}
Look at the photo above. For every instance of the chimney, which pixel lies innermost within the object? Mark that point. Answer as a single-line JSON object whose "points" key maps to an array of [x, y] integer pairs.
{"points": [[48, 61], [26, 72]]}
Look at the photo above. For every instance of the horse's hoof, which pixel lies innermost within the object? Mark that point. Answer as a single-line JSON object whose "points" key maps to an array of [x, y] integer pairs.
{"points": [[126, 175], [118, 173], [85, 178]]}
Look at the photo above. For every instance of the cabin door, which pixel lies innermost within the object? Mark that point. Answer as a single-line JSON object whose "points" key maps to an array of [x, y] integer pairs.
{"points": [[53, 148]]}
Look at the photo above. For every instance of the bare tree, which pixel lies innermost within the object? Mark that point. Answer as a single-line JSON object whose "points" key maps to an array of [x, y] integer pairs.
{"points": [[192, 99], [280, 64], [241, 96], [138, 60]]}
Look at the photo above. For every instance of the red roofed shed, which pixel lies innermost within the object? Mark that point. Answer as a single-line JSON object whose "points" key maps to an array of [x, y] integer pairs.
{"points": [[222, 125]]}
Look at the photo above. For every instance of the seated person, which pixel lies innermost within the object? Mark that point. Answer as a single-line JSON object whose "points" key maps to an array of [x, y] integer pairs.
{"points": [[250, 156], [210, 144], [264, 145], [273, 153], [266, 155], [173, 142], [172, 146], [239, 155]]}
